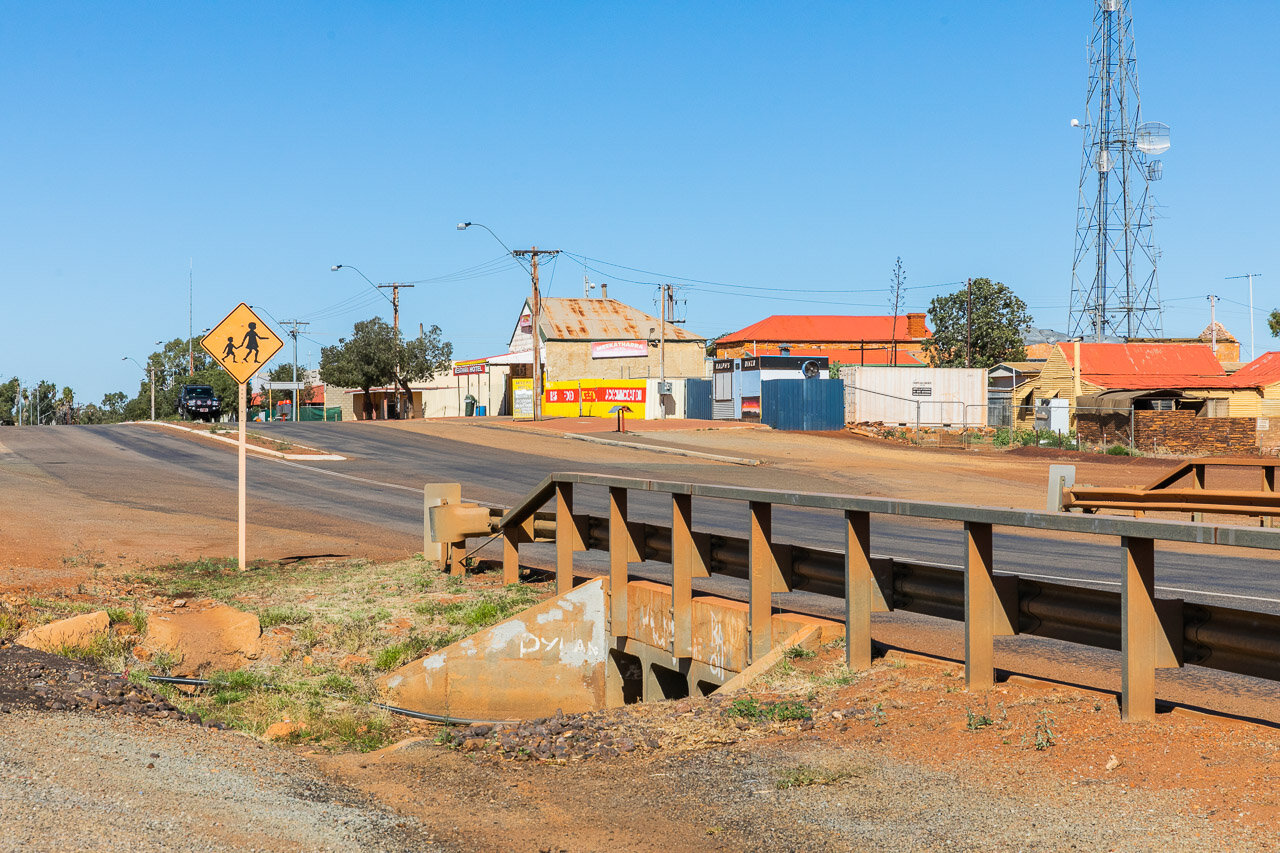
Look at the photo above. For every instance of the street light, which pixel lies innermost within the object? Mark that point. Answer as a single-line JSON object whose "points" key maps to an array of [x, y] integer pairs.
{"points": [[394, 299], [337, 267], [535, 309], [150, 370]]}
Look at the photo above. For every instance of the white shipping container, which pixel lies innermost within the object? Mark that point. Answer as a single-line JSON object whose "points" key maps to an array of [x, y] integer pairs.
{"points": [[929, 396]]}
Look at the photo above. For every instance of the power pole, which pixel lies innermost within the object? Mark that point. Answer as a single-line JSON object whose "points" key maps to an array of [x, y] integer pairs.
{"points": [[968, 321], [293, 333], [662, 352], [395, 321], [395, 302], [1251, 276], [1213, 321], [151, 380], [535, 308]]}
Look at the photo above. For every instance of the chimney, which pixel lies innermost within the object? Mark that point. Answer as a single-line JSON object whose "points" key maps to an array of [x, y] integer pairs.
{"points": [[916, 328], [604, 290]]}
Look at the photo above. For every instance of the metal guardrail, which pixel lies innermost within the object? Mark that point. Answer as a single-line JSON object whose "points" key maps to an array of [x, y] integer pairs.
{"points": [[1193, 497], [1151, 633]]}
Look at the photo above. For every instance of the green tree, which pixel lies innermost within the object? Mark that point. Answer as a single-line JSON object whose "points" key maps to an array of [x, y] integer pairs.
{"points": [[998, 320], [377, 355], [9, 402], [1273, 322]]}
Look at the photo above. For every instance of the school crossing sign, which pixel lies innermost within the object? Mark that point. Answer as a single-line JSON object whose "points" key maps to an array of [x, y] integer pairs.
{"points": [[241, 343]]}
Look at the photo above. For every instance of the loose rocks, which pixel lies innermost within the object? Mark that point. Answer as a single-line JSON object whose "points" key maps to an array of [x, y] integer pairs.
{"points": [[562, 737], [34, 680]]}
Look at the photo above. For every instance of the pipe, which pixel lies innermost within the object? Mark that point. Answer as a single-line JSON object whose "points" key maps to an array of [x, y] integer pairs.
{"points": [[404, 712]]}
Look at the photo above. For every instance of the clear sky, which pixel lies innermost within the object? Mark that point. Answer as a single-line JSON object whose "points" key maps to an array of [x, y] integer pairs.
{"points": [[793, 145]]}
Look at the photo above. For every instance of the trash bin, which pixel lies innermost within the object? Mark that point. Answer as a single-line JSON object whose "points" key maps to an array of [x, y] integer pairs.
{"points": [[481, 411], [470, 404]]}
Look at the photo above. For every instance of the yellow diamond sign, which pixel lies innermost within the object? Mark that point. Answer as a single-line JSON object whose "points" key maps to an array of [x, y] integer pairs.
{"points": [[241, 343]]}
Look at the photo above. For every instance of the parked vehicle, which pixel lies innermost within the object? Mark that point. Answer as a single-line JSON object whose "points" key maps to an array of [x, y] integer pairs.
{"points": [[198, 402]]}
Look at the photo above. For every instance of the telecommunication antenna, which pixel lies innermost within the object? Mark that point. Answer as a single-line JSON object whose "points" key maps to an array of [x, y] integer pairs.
{"points": [[1114, 285]]}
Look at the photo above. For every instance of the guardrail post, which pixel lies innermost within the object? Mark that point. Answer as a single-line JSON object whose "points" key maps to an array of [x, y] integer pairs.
{"points": [[622, 550], [1268, 485], [566, 527], [763, 570], [980, 602], [682, 556], [1139, 629], [513, 536], [862, 592]]}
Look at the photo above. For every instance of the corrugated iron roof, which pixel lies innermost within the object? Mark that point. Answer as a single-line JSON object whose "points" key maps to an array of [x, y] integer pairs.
{"points": [[874, 355], [1263, 370], [1149, 366], [563, 318], [823, 328]]}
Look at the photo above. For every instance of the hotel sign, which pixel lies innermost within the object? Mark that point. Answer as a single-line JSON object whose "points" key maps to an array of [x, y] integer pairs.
{"points": [[620, 349]]}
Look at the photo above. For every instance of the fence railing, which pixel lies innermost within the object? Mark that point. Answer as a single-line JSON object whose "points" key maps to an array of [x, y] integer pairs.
{"points": [[1150, 633]]}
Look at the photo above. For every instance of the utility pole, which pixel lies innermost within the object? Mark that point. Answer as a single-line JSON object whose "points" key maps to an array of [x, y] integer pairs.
{"points": [[151, 380], [395, 302], [293, 333], [1250, 276], [1213, 321], [968, 321], [662, 352], [535, 309], [395, 321]]}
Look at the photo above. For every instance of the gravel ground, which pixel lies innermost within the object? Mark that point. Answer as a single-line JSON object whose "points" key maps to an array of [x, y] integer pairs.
{"points": [[73, 781]]}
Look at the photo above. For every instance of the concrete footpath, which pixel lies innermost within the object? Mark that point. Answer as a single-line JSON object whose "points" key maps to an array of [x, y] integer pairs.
{"points": [[660, 436]]}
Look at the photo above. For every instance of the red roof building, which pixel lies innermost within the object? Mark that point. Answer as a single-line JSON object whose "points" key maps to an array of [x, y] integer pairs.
{"points": [[1146, 366], [843, 338]]}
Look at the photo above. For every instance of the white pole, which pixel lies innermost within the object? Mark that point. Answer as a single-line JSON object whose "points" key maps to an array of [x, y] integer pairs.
{"points": [[1251, 354], [243, 413]]}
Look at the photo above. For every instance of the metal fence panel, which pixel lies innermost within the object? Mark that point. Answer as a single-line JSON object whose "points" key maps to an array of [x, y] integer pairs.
{"points": [[803, 404], [697, 399]]}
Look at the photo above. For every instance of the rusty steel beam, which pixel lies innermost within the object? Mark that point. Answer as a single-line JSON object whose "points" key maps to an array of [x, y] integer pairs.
{"points": [[1197, 500], [1150, 632]]}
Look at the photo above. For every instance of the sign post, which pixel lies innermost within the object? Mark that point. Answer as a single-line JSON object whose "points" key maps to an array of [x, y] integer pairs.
{"points": [[248, 346]]}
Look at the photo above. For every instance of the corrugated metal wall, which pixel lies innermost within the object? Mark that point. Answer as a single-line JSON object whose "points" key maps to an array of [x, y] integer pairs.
{"points": [[697, 399], [952, 396], [802, 404]]}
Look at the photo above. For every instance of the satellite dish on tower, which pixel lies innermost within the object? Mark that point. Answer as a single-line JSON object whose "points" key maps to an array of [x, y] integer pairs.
{"points": [[1152, 138]]}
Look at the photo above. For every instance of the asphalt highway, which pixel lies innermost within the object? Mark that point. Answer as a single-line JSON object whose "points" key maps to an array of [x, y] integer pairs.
{"points": [[380, 484]]}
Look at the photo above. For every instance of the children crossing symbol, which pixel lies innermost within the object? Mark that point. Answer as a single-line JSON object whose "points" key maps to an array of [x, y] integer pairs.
{"points": [[241, 343]]}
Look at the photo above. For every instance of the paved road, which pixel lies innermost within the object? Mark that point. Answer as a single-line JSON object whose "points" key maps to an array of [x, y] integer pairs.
{"points": [[380, 484]]}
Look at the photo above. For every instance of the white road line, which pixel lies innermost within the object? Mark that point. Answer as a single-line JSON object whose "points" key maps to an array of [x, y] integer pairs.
{"points": [[416, 491]]}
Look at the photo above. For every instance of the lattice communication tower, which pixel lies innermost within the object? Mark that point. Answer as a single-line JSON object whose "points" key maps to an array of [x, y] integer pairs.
{"points": [[1114, 287]]}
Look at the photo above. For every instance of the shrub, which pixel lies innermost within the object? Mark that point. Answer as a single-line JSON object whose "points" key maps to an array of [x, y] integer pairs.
{"points": [[1118, 450], [751, 708]]}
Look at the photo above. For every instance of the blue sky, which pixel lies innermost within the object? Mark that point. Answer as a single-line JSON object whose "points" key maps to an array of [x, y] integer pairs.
{"points": [[800, 146]]}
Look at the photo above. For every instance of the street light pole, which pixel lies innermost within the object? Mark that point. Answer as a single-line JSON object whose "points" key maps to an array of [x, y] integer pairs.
{"points": [[150, 371], [535, 308], [1251, 276], [394, 299]]}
